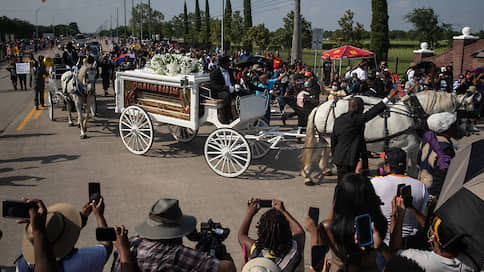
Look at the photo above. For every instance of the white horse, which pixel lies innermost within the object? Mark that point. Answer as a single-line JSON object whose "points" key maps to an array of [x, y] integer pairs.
{"points": [[79, 88], [400, 125]]}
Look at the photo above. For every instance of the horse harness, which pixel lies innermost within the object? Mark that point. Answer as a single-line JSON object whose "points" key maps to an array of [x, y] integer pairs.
{"points": [[416, 112]]}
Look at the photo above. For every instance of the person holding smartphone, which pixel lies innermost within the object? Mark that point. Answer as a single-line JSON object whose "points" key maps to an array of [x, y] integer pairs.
{"points": [[354, 197], [65, 222], [279, 236], [387, 186]]}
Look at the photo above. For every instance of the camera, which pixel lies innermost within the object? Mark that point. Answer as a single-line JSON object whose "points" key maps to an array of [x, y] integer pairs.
{"points": [[210, 238]]}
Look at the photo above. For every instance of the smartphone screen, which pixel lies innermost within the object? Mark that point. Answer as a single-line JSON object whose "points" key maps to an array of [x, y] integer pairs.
{"points": [[105, 234], [363, 230], [94, 191], [317, 255], [406, 191], [314, 214], [17, 209], [399, 189], [265, 203]]}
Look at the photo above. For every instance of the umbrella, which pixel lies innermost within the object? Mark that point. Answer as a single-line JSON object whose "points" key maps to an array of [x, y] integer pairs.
{"points": [[123, 57], [251, 60], [461, 202]]}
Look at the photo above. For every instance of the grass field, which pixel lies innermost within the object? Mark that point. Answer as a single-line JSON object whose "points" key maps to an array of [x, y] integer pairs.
{"points": [[403, 50]]}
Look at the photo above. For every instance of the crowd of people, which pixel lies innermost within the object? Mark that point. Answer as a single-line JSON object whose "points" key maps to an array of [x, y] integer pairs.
{"points": [[406, 235]]}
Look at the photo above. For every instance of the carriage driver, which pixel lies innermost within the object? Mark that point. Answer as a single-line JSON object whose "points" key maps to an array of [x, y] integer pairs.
{"points": [[224, 86]]}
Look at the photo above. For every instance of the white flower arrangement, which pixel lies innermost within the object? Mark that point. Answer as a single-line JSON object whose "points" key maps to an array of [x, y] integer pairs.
{"points": [[171, 64]]}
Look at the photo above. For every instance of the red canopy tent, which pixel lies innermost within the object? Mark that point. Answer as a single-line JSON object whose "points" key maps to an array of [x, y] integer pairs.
{"points": [[347, 52]]}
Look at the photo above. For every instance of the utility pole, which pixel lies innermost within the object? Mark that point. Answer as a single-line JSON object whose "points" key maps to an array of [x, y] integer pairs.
{"points": [[124, 18], [223, 15], [36, 23], [132, 18], [296, 35], [111, 24], [117, 23], [141, 9], [149, 14]]}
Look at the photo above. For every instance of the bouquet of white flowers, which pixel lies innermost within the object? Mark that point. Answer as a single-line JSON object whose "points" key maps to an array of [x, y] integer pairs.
{"points": [[169, 64]]}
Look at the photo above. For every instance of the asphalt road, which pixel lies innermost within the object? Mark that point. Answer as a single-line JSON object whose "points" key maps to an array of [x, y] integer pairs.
{"points": [[47, 160]]}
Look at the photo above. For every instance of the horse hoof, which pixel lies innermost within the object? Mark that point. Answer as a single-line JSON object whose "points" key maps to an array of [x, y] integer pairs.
{"points": [[83, 136], [71, 124], [327, 173]]}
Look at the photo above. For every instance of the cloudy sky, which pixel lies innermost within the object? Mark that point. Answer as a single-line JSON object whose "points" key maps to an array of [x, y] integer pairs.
{"points": [[90, 14]]}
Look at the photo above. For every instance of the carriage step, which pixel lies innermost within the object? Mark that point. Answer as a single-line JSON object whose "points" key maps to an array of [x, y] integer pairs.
{"points": [[218, 103]]}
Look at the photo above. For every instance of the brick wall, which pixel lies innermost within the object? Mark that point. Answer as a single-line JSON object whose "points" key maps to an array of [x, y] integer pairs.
{"points": [[459, 56]]}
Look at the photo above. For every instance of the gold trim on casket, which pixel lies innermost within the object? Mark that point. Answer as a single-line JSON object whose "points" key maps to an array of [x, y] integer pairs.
{"points": [[158, 99]]}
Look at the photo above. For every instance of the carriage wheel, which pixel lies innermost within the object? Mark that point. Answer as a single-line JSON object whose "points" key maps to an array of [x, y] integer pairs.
{"points": [[182, 134], [50, 105], [259, 148], [227, 152], [136, 130]]}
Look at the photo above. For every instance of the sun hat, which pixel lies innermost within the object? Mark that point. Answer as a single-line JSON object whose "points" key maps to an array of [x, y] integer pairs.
{"points": [[261, 264], [440, 122], [166, 221], [63, 226]]}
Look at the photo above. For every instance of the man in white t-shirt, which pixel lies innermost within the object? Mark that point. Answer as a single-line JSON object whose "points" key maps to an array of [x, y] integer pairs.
{"points": [[386, 188], [361, 71]]}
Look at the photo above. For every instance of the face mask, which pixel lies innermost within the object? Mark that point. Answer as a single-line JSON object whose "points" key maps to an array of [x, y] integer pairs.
{"points": [[306, 84], [335, 88]]}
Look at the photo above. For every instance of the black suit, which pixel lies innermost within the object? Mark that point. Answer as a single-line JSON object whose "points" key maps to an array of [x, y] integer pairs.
{"points": [[348, 139], [222, 91]]}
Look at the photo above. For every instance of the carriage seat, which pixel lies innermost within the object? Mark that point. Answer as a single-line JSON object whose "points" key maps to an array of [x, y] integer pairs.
{"points": [[207, 98]]}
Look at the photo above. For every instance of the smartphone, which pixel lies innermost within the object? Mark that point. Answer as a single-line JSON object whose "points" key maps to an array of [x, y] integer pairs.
{"points": [[265, 203], [363, 230], [406, 191], [314, 214], [317, 255], [399, 188], [17, 209], [94, 191], [105, 234]]}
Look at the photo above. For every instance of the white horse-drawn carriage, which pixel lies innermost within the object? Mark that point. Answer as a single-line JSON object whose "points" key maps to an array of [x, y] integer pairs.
{"points": [[185, 102]]}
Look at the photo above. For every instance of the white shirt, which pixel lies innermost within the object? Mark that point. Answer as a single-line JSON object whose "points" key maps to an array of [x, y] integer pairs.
{"points": [[226, 76], [386, 189], [410, 74], [360, 73], [432, 262]]}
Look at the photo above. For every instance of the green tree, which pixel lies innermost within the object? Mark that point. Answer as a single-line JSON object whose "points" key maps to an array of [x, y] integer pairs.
{"points": [[259, 35], [74, 27], [348, 34], [228, 22], [426, 25], [247, 14], [237, 27], [215, 31], [207, 23], [198, 19], [289, 27], [156, 19], [379, 39], [185, 19]]}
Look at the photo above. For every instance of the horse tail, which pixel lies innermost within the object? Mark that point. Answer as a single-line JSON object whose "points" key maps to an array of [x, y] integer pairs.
{"points": [[310, 141]]}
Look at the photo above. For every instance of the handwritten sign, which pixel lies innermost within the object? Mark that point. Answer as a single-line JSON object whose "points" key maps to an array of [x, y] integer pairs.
{"points": [[22, 68]]}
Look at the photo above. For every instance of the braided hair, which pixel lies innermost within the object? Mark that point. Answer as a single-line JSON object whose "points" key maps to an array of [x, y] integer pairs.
{"points": [[273, 232]]}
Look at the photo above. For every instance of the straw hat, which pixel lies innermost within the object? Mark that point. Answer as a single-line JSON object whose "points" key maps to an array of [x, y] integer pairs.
{"points": [[261, 264], [63, 226]]}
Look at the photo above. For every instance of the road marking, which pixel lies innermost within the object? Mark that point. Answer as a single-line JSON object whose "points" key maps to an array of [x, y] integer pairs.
{"points": [[26, 120]]}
